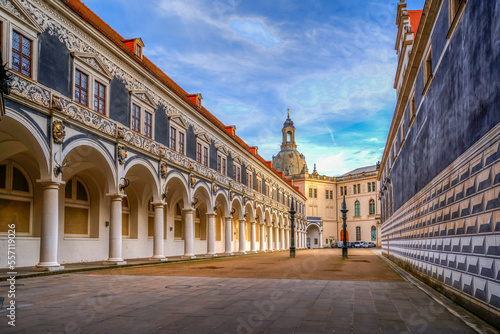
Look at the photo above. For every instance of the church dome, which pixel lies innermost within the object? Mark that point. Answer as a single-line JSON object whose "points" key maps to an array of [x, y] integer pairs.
{"points": [[290, 162], [288, 122]]}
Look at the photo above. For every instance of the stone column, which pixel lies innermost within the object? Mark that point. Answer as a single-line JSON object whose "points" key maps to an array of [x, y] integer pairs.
{"points": [[321, 239], [228, 244], [211, 235], [242, 237], [262, 238], [287, 239], [188, 234], [276, 239], [304, 244], [50, 227], [115, 232], [253, 246], [269, 238], [158, 234], [282, 239]]}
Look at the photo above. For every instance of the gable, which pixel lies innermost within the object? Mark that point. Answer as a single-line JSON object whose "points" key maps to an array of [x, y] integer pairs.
{"points": [[143, 96], [15, 8], [94, 62], [201, 135], [178, 120]]}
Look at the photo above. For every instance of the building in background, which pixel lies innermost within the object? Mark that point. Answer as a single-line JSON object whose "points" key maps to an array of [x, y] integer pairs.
{"points": [[440, 171], [326, 193]]}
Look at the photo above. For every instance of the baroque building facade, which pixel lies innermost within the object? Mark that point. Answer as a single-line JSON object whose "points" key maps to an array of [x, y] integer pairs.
{"points": [[325, 195], [440, 172], [104, 157]]}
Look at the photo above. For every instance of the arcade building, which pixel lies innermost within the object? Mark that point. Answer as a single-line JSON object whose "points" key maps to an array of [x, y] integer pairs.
{"points": [[103, 157]]}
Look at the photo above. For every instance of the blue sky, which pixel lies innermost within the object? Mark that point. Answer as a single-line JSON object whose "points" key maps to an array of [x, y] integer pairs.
{"points": [[331, 62]]}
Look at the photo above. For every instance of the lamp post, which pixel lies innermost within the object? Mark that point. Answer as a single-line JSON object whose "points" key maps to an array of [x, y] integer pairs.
{"points": [[292, 224], [344, 227]]}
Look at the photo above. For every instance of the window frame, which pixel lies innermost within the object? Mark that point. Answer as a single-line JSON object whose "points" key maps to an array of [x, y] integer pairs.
{"points": [[142, 100], [371, 203], [79, 204], [94, 75], [29, 29], [15, 195], [427, 67], [357, 209], [204, 142], [454, 14]]}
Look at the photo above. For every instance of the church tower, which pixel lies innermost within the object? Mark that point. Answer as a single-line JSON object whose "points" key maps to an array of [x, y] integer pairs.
{"points": [[289, 160], [288, 130]]}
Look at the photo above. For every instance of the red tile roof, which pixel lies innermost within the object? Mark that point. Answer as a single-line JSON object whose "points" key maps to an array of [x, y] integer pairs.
{"points": [[88, 15], [415, 16]]}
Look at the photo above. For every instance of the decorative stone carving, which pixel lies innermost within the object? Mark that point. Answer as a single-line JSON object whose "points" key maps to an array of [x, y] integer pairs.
{"points": [[214, 188], [163, 170], [121, 152], [56, 103], [58, 132], [30, 91]]}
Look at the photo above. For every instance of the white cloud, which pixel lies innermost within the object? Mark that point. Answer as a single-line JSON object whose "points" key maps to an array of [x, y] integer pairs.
{"points": [[254, 31]]}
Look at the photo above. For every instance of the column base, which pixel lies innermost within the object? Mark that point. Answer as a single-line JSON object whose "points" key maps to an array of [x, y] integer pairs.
{"points": [[241, 253], [229, 254], [252, 252], [113, 262], [188, 257], [211, 255], [159, 259], [44, 267], [269, 251], [261, 251]]}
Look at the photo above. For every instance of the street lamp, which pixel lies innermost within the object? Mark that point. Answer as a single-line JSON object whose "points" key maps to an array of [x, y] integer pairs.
{"points": [[292, 218], [344, 227]]}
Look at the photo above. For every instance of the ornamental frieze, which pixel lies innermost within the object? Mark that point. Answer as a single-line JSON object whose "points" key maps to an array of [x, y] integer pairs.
{"points": [[30, 91], [87, 117], [139, 141]]}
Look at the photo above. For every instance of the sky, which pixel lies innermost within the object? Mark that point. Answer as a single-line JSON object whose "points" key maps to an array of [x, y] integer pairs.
{"points": [[331, 62]]}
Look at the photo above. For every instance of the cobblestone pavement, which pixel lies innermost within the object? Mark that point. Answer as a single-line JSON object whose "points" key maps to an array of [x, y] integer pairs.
{"points": [[95, 303]]}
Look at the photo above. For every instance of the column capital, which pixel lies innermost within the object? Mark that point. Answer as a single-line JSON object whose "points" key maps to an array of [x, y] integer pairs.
{"points": [[158, 204], [252, 222], [210, 214], [48, 183], [116, 196], [188, 210], [228, 217], [241, 220]]}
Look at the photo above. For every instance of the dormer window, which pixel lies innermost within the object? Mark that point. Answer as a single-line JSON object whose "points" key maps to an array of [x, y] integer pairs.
{"points": [[135, 45]]}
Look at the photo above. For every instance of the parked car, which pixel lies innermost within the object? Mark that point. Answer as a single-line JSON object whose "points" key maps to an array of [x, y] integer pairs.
{"points": [[359, 244], [369, 244]]}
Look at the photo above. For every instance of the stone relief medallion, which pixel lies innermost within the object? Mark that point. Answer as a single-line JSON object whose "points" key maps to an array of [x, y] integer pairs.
{"points": [[122, 154], [163, 170], [58, 132]]}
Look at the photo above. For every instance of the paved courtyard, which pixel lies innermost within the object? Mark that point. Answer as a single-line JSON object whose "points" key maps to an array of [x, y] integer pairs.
{"points": [[125, 301]]}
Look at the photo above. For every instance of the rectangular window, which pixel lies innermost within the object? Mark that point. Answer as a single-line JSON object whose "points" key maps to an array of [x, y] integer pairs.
{"points": [[81, 87], [315, 193], [219, 164], [359, 188], [341, 191], [331, 194], [21, 54], [136, 118], [310, 192], [205, 156], [373, 186], [172, 138], [427, 70], [238, 174], [354, 189], [198, 152], [369, 187], [99, 97], [181, 143], [148, 125], [327, 194], [223, 166]]}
